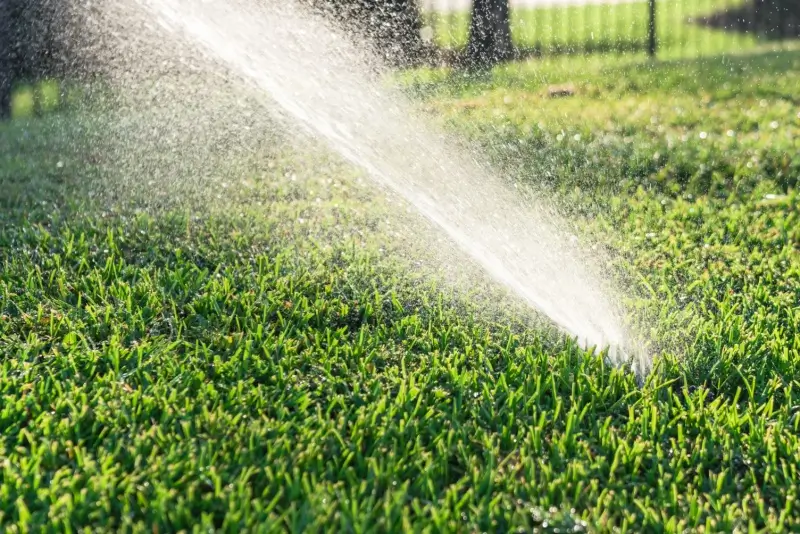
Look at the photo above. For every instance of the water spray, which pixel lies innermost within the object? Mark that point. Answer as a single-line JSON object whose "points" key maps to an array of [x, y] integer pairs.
{"points": [[324, 81]]}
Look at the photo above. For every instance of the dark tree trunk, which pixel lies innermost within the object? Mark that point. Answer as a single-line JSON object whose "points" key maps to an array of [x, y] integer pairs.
{"points": [[34, 44], [392, 26], [6, 66], [489, 33], [397, 30], [42, 26]]}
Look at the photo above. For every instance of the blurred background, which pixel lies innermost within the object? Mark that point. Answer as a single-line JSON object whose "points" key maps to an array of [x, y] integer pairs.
{"points": [[666, 29], [35, 43]]}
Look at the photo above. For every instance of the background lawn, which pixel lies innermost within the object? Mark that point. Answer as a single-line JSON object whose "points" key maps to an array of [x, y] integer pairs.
{"points": [[621, 27], [270, 359]]}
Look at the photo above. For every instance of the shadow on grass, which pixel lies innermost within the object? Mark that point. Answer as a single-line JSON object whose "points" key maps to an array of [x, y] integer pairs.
{"points": [[38, 167], [771, 21]]}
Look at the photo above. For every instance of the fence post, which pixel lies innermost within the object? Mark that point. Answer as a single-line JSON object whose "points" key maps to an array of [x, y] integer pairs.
{"points": [[651, 29]]}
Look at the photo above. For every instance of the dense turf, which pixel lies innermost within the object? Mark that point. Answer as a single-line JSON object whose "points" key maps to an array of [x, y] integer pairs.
{"points": [[164, 370]]}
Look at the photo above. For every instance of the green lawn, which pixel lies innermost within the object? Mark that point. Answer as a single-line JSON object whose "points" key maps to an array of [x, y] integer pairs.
{"points": [[46, 96], [272, 360], [608, 28]]}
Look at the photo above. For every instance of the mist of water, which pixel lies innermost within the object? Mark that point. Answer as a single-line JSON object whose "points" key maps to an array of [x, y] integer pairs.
{"points": [[325, 82]]}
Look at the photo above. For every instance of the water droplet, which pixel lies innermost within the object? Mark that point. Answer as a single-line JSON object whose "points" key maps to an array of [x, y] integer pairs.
{"points": [[426, 34]]}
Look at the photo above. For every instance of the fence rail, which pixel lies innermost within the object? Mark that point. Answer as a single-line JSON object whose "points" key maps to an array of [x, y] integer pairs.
{"points": [[668, 28]]}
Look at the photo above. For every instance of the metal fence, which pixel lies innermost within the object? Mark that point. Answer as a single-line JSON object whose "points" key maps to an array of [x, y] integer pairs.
{"points": [[668, 28]]}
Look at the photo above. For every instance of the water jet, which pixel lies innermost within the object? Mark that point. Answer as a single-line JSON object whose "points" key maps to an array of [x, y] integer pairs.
{"points": [[324, 81]]}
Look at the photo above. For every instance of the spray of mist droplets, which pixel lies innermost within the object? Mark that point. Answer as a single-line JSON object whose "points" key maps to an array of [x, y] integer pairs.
{"points": [[324, 82]]}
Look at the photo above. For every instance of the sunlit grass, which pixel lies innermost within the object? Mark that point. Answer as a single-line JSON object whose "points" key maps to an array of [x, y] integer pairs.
{"points": [[667, 125], [24, 99], [240, 371]]}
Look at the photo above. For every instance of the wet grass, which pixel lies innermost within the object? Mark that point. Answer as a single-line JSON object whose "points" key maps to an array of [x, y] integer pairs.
{"points": [[171, 371]]}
